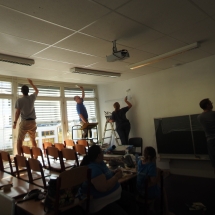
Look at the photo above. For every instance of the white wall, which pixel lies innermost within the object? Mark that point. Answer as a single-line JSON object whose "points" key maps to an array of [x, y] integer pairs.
{"points": [[173, 92]]}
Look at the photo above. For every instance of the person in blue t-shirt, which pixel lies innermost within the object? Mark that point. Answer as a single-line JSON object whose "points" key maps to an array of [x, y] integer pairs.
{"points": [[122, 123], [147, 168], [82, 112], [107, 195]]}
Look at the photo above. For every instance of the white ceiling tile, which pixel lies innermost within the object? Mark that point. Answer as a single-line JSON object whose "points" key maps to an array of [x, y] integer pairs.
{"points": [[112, 4], [140, 36], [67, 56], [208, 6], [21, 46], [74, 14], [162, 45], [52, 65], [197, 32], [29, 28], [208, 46], [165, 16], [113, 27], [87, 44], [167, 63]]}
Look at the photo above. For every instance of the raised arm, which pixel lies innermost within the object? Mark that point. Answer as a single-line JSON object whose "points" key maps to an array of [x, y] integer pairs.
{"points": [[128, 103], [34, 87], [16, 118], [83, 93]]}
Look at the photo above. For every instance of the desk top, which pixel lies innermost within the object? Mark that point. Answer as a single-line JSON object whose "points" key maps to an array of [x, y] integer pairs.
{"points": [[19, 187]]}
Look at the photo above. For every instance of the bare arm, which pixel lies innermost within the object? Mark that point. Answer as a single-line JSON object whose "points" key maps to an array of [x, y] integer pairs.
{"points": [[83, 93], [128, 103], [103, 185], [16, 118], [34, 87]]}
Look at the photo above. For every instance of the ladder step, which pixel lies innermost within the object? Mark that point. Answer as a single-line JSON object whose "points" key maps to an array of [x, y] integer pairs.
{"points": [[106, 137], [108, 129]]}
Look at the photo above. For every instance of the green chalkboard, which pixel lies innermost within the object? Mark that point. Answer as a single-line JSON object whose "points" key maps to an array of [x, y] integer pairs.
{"points": [[180, 135]]}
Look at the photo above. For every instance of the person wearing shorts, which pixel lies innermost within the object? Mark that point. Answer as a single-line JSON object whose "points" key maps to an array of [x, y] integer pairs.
{"points": [[207, 120], [25, 107]]}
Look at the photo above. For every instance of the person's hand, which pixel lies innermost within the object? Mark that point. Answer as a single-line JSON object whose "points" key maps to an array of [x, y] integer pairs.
{"points": [[14, 126], [81, 87], [118, 174], [29, 80], [126, 99]]}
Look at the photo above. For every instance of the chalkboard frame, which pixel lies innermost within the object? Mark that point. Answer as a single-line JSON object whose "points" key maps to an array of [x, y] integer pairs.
{"points": [[180, 137]]}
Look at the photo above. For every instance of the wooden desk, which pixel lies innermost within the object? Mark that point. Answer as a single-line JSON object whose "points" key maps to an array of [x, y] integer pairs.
{"points": [[32, 207], [111, 156], [19, 187]]}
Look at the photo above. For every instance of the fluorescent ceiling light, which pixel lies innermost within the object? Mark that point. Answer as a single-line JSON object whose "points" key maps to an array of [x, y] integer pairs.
{"points": [[164, 56], [86, 71], [16, 60]]}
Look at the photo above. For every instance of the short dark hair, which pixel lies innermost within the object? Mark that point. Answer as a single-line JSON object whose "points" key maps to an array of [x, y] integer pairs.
{"points": [[25, 90], [204, 103], [93, 153], [149, 153]]}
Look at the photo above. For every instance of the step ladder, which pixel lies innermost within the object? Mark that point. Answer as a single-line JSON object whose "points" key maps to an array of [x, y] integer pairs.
{"points": [[111, 128]]}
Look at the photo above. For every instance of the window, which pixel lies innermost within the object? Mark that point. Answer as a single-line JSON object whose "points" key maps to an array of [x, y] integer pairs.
{"points": [[5, 125], [43, 90], [73, 118], [72, 92], [5, 87], [48, 115]]}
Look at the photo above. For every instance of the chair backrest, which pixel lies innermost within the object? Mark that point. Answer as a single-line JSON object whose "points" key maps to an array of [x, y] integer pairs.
{"points": [[54, 164], [83, 142], [26, 150], [71, 179], [59, 146], [7, 204], [46, 144], [69, 154], [80, 149], [52, 151], [5, 157], [36, 152], [35, 165], [21, 164], [69, 143], [136, 142]]}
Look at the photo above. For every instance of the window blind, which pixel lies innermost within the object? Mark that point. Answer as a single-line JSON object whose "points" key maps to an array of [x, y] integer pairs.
{"points": [[5, 125], [72, 92], [5, 87]]}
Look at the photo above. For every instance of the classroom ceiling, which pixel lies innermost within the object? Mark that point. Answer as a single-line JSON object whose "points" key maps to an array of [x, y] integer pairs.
{"points": [[63, 34]]}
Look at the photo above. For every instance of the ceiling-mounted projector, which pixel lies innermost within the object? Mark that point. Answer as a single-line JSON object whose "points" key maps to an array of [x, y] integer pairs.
{"points": [[117, 55]]}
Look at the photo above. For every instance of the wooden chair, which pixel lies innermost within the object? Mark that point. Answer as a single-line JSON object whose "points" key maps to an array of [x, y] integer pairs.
{"points": [[147, 203], [45, 145], [59, 146], [6, 164], [53, 158], [26, 151], [70, 180], [36, 174], [69, 143], [37, 153], [83, 142], [68, 158], [81, 151], [21, 167]]}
